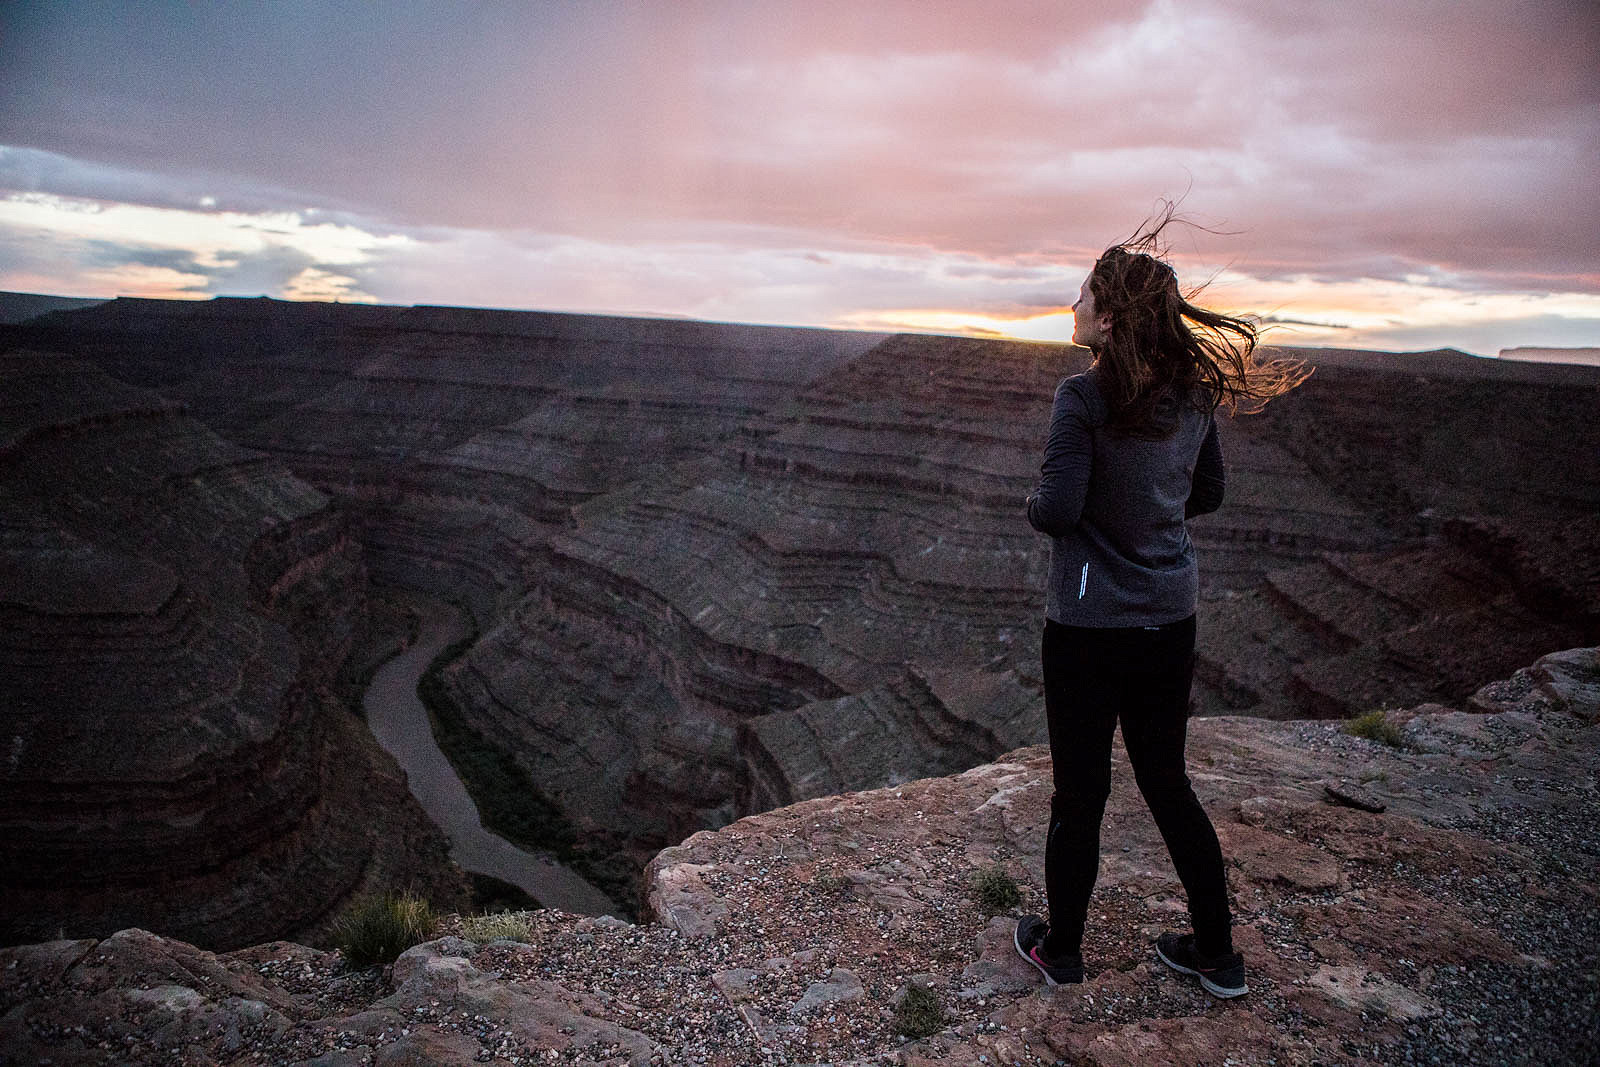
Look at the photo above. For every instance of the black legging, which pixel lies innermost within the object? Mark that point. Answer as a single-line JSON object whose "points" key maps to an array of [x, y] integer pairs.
{"points": [[1140, 675]]}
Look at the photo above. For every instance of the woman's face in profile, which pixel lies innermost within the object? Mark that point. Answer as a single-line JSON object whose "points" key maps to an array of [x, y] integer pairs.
{"points": [[1088, 326]]}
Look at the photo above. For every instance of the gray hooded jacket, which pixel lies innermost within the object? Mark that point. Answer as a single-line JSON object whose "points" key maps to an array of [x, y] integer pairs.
{"points": [[1115, 507]]}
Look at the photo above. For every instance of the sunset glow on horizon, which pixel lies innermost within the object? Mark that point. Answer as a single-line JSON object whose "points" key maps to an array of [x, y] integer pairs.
{"points": [[1362, 175]]}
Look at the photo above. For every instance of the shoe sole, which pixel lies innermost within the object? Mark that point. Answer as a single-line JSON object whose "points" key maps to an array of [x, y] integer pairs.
{"points": [[1033, 962], [1015, 934], [1219, 991]]}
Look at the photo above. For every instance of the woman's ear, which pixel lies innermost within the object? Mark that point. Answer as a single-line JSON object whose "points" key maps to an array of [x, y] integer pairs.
{"points": [[1103, 321]]}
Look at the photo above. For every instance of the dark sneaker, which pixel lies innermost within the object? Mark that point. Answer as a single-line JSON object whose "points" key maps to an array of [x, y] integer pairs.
{"points": [[1029, 939], [1222, 976]]}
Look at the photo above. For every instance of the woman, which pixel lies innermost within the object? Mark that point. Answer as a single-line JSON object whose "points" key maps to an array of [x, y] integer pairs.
{"points": [[1132, 453]]}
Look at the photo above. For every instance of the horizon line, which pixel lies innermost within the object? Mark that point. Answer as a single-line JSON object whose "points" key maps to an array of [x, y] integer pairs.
{"points": [[1591, 351]]}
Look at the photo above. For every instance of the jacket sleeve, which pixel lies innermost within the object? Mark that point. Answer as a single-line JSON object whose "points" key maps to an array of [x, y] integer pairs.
{"points": [[1055, 507], [1210, 476]]}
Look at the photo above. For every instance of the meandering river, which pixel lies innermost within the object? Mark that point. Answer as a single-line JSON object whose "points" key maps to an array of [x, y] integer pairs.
{"points": [[400, 723]]}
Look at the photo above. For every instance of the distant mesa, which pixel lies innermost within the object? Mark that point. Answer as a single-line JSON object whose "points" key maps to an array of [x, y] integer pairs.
{"points": [[713, 568], [20, 307], [1589, 357]]}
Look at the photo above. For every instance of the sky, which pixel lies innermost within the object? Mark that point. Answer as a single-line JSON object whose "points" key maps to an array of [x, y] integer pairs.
{"points": [[1396, 174]]}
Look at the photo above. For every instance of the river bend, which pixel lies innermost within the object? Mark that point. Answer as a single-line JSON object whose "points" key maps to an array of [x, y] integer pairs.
{"points": [[399, 721]]}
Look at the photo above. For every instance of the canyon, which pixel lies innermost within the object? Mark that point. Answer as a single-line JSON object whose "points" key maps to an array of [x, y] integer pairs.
{"points": [[711, 570]]}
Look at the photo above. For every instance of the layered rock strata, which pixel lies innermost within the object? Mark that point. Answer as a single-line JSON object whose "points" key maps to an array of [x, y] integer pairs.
{"points": [[1481, 474], [174, 617], [869, 530], [454, 436], [718, 568], [762, 624], [1458, 924]]}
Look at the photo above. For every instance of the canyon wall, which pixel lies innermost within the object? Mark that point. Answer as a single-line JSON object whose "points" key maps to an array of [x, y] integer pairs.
{"points": [[175, 615], [720, 568]]}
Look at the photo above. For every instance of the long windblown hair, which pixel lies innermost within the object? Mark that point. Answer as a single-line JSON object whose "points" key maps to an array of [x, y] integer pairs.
{"points": [[1162, 353]]}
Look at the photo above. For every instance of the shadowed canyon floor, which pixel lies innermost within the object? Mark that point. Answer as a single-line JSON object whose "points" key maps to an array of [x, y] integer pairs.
{"points": [[1459, 925], [713, 568]]}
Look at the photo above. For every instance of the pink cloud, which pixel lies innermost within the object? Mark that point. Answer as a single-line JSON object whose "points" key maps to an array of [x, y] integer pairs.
{"points": [[1349, 140]]}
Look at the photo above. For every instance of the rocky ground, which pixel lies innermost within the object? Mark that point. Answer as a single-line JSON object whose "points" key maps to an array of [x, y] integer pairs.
{"points": [[1459, 925]]}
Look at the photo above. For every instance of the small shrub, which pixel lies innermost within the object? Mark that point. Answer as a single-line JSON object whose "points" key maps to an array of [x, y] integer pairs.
{"points": [[1375, 726], [830, 885], [919, 1013], [376, 929], [510, 925], [995, 892]]}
